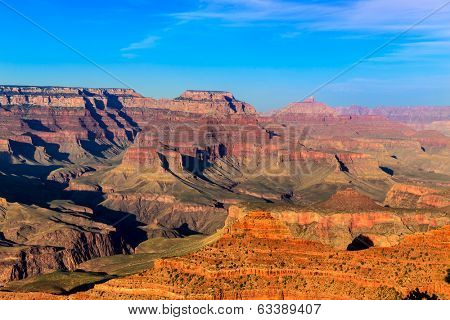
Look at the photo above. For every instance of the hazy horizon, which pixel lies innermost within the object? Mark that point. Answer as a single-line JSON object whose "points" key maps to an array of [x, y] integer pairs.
{"points": [[270, 109]]}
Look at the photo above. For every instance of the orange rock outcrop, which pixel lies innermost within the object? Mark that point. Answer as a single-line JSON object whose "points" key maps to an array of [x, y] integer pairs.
{"points": [[308, 106], [258, 258], [183, 162], [409, 196]]}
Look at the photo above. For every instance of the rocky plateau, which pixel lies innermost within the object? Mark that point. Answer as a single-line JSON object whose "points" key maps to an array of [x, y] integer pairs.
{"points": [[309, 201]]}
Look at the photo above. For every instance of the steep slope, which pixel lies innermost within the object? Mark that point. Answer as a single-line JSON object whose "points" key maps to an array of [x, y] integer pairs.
{"points": [[35, 240], [257, 258], [108, 164], [308, 106], [348, 214], [63, 125]]}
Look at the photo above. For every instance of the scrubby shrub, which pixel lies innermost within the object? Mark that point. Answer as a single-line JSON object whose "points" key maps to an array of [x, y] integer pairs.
{"points": [[419, 295]]}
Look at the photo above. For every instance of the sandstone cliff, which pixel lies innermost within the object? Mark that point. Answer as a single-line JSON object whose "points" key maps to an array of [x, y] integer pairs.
{"points": [[36, 240], [409, 196], [257, 258], [111, 168], [348, 214], [308, 106]]}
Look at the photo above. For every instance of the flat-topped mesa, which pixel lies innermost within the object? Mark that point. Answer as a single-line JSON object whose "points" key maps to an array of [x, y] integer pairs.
{"points": [[52, 90], [307, 106], [205, 95], [57, 96], [217, 103], [211, 102]]}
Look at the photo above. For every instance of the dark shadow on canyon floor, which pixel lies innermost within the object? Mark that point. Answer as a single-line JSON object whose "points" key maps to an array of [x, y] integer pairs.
{"points": [[26, 184], [361, 242]]}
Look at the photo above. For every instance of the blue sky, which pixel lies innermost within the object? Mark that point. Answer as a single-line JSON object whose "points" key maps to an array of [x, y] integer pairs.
{"points": [[267, 52]]}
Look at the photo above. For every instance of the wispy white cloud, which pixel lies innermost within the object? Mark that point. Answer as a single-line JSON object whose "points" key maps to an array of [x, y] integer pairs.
{"points": [[129, 55], [395, 84], [417, 51], [389, 16], [365, 17], [253, 11], [361, 14], [148, 42]]}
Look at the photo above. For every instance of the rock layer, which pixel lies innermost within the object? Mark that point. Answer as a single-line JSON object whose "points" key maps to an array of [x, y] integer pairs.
{"points": [[258, 259], [409, 196], [111, 168], [36, 240]]}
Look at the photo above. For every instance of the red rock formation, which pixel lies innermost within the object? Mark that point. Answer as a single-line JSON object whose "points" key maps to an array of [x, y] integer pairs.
{"points": [[308, 106], [66, 174], [349, 200], [408, 196], [213, 103], [3, 205], [347, 214], [55, 96], [64, 124], [258, 259], [36, 240], [182, 162]]}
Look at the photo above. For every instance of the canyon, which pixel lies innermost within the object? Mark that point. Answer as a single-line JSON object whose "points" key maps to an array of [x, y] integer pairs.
{"points": [[258, 258], [221, 192]]}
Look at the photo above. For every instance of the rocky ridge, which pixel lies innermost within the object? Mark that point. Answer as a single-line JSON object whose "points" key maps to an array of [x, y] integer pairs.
{"points": [[36, 240], [257, 258], [177, 167]]}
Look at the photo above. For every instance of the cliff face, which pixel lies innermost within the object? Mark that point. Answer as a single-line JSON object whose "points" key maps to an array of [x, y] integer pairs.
{"points": [[51, 124], [35, 240], [409, 196], [65, 125], [258, 258], [65, 97], [213, 103], [111, 168], [348, 214]]}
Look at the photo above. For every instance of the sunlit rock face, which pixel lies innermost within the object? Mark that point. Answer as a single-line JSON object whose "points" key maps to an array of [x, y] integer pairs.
{"points": [[36, 240], [307, 106], [126, 168], [347, 214], [199, 95], [410, 196], [209, 103], [258, 258]]}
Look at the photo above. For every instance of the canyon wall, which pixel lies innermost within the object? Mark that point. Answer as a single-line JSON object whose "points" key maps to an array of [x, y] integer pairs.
{"points": [[35, 240], [111, 168], [258, 258]]}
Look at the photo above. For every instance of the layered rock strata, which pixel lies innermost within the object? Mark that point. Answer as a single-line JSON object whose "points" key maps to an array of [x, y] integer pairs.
{"points": [[35, 240], [258, 259]]}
